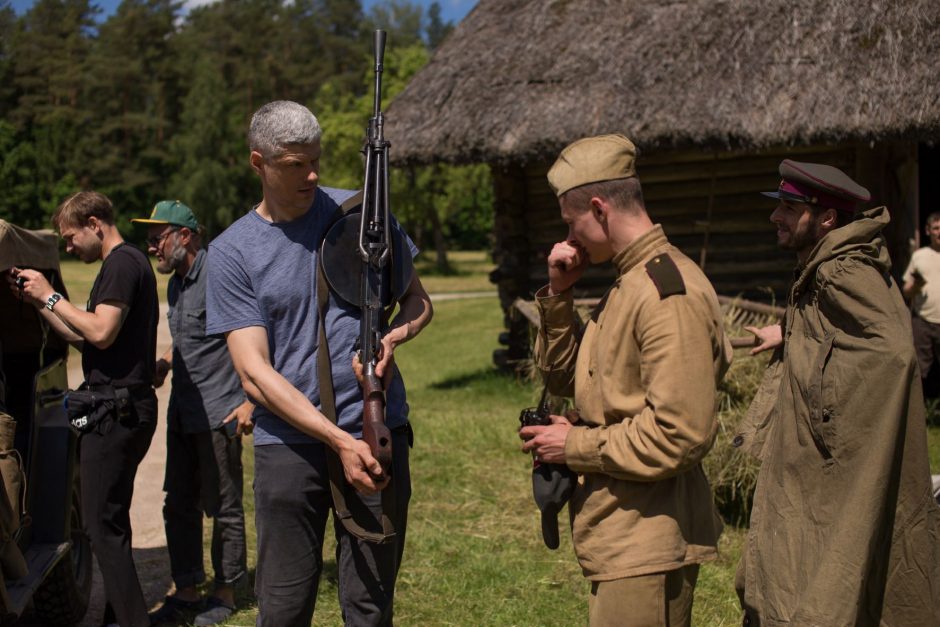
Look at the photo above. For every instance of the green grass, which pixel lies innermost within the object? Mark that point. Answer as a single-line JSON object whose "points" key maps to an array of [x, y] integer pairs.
{"points": [[469, 272]]}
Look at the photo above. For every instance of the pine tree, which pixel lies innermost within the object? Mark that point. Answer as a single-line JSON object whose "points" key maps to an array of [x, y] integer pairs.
{"points": [[132, 84]]}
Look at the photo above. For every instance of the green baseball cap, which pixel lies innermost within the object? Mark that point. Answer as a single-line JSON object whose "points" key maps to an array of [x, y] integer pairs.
{"points": [[171, 212]]}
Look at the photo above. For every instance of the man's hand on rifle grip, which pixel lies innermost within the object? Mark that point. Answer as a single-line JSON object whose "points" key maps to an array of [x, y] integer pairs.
{"points": [[360, 467], [386, 375]]}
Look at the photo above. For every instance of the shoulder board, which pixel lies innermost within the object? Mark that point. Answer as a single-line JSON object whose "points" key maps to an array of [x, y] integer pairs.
{"points": [[665, 275]]}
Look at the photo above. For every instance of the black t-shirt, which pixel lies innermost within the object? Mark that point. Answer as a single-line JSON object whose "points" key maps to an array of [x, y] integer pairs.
{"points": [[126, 277]]}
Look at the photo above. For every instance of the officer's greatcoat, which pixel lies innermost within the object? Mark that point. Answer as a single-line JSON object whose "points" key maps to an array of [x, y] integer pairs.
{"points": [[643, 377], [844, 529]]}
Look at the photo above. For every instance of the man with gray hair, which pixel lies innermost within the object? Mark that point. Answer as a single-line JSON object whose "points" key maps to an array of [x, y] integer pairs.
{"points": [[262, 295]]}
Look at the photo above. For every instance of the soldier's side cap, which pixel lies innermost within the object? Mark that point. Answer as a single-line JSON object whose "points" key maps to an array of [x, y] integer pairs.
{"points": [[591, 160], [171, 212], [819, 184]]}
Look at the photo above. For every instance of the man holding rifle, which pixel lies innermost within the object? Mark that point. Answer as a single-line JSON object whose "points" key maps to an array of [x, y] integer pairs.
{"points": [[262, 294]]}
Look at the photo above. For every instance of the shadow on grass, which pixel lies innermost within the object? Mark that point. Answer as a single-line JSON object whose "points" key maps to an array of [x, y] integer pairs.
{"points": [[469, 378]]}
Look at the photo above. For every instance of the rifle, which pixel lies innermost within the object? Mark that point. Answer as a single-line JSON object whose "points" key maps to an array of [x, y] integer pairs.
{"points": [[367, 264], [375, 253]]}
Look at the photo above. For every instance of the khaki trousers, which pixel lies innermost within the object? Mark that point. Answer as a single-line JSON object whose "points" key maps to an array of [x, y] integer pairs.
{"points": [[657, 600]]}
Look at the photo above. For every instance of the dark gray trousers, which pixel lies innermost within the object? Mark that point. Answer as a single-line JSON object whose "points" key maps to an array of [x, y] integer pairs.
{"points": [[204, 474], [292, 501]]}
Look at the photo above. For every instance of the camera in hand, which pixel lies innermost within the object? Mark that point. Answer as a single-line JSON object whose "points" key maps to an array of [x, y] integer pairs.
{"points": [[552, 484], [20, 281], [534, 417], [537, 416]]}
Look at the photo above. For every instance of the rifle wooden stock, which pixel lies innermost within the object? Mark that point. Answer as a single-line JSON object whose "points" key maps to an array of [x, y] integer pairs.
{"points": [[374, 431]]}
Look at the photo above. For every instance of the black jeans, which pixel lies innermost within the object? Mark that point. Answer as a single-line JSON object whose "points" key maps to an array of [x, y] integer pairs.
{"points": [[108, 460], [292, 501], [204, 474]]}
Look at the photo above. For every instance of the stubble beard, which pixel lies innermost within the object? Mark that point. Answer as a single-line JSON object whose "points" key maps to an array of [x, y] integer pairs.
{"points": [[173, 260], [91, 253]]}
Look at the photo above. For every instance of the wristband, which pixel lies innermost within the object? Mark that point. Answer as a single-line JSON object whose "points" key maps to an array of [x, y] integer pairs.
{"points": [[52, 300]]}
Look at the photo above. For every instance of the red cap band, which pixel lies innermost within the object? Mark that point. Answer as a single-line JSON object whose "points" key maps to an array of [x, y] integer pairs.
{"points": [[816, 197]]}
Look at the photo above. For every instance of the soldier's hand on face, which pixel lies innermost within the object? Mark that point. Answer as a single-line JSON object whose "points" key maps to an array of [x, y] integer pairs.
{"points": [[160, 370], [361, 468], [548, 442], [766, 338], [242, 416], [566, 263]]}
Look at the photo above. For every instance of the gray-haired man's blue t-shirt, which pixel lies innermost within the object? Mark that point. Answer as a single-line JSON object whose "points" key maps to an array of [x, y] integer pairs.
{"points": [[263, 274]]}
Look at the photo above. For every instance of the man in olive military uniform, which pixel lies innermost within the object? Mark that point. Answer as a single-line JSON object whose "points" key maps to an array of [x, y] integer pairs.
{"points": [[643, 376], [844, 528]]}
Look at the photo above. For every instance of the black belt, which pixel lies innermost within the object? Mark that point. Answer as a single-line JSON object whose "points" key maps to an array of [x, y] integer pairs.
{"points": [[137, 390]]}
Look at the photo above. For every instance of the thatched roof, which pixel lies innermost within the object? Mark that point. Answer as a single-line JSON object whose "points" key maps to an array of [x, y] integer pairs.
{"points": [[519, 79]]}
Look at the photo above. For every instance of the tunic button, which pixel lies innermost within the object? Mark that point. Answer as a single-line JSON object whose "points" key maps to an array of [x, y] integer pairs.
{"points": [[737, 441], [826, 415]]}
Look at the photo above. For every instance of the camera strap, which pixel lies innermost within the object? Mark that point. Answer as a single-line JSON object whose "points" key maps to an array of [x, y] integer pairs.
{"points": [[338, 484]]}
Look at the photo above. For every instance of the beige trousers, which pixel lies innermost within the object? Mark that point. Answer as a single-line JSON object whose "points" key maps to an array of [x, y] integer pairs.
{"points": [[657, 600]]}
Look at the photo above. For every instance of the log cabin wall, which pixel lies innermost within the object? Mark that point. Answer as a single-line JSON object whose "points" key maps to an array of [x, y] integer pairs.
{"points": [[710, 208]]}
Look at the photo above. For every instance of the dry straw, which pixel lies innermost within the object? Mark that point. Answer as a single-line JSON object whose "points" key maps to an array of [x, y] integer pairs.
{"points": [[519, 79]]}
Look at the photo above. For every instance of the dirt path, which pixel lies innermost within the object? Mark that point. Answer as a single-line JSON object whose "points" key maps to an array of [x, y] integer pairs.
{"points": [[149, 542]]}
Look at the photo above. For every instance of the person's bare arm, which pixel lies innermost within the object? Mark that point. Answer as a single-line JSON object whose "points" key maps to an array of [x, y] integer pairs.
{"points": [[249, 350], [99, 327], [414, 313]]}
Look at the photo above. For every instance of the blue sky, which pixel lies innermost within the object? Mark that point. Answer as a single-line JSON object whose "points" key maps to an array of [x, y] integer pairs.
{"points": [[451, 10]]}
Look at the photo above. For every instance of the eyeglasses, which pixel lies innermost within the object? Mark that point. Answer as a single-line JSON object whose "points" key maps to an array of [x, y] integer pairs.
{"points": [[156, 242]]}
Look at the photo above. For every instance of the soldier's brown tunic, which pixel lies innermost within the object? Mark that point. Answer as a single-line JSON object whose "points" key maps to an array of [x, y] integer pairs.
{"points": [[643, 377], [844, 529]]}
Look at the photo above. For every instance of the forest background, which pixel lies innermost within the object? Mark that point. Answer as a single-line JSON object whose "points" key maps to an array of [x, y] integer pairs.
{"points": [[154, 102]]}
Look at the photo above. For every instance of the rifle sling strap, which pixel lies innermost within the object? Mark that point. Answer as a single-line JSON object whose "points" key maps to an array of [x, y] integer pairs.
{"points": [[338, 483]]}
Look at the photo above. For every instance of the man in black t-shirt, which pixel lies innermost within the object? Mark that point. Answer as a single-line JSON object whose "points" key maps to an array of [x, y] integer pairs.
{"points": [[117, 336]]}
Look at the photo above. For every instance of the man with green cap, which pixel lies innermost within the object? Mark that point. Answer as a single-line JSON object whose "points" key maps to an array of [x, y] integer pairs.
{"points": [[643, 374], [206, 416], [844, 528]]}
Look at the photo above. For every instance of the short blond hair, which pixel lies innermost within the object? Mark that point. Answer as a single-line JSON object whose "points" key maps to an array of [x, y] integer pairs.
{"points": [[624, 194]]}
